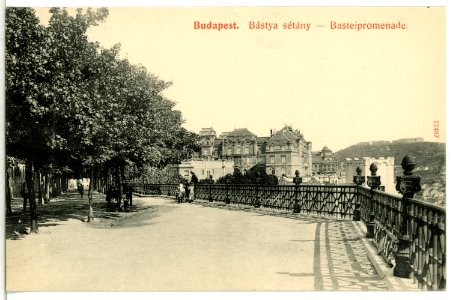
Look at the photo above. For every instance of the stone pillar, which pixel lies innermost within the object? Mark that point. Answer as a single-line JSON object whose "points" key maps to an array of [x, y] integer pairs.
{"points": [[359, 179], [373, 182], [408, 185], [297, 181]]}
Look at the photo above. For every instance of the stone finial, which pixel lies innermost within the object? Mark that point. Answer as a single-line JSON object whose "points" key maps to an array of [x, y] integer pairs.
{"points": [[408, 164], [297, 180], [359, 179], [359, 170], [408, 184], [373, 181], [373, 169]]}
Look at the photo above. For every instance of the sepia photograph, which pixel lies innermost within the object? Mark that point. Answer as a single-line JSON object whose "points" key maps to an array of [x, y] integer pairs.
{"points": [[224, 148]]}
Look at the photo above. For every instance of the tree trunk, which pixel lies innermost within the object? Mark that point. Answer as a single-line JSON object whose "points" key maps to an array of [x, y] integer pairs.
{"points": [[90, 198], [120, 188], [46, 188], [9, 211], [31, 197], [66, 185], [40, 196]]}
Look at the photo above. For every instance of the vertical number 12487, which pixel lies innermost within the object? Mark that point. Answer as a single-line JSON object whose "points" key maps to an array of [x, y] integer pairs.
{"points": [[436, 129]]}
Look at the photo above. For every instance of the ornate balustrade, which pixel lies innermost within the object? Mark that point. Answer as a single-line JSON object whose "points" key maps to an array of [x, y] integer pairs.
{"points": [[336, 201], [154, 189], [426, 233], [428, 248], [409, 234]]}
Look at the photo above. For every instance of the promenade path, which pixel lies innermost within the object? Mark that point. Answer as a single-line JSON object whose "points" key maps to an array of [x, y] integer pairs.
{"points": [[165, 246]]}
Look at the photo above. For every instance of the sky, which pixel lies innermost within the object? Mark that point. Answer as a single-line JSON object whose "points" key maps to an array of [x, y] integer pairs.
{"points": [[338, 87]]}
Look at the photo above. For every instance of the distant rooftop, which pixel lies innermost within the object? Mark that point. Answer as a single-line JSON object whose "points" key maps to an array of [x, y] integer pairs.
{"points": [[240, 132]]}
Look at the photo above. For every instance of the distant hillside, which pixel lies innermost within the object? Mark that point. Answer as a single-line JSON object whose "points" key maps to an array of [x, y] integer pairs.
{"points": [[429, 157]]}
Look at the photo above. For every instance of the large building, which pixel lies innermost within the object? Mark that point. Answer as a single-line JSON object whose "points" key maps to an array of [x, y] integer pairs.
{"points": [[287, 151], [241, 146], [283, 152], [324, 162]]}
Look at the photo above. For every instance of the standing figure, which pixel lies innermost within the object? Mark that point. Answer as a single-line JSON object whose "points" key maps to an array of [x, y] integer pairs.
{"points": [[181, 192], [191, 192], [194, 181], [128, 191], [186, 189], [80, 189]]}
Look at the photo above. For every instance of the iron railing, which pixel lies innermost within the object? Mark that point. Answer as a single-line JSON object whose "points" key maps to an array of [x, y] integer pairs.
{"points": [[425, 222]]}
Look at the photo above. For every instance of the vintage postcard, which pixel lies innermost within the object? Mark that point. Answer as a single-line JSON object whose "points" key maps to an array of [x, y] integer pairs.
{"points": [[225, 148]]}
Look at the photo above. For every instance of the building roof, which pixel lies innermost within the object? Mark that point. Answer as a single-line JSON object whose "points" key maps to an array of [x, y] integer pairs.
{"points": [[286, 134], [241, 132], [207, 131]]}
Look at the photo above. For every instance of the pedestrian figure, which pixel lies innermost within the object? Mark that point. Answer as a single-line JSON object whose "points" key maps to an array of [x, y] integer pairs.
{"points": [[24, 193], [194, 178], [128, 192], [191, 192], [109, 195], [194, 181], [181, 192], [80, 189], [186, 189]]}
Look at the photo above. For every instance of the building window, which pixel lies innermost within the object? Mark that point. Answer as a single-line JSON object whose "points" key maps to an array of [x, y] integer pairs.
{"points": [[273, 171], [186, 172], [272, 159], [277, 148], [230, 151], [246, 150], [202, 172], [208, 173], [271, 148], [237, 150], [283, 159], [205, 152]]}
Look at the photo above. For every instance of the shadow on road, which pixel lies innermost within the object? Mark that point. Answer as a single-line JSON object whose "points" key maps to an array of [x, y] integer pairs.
{"points": [[72, 206]]}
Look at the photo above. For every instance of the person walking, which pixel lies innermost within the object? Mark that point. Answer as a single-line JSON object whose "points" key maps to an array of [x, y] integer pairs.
{"points": [[80, 189], [191, 192], [181, 192], [194, 178], [194, 181]]}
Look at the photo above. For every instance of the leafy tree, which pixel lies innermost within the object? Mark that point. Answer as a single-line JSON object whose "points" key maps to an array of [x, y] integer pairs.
{"points": [[26, 94], [256, 174], [73, 106]]}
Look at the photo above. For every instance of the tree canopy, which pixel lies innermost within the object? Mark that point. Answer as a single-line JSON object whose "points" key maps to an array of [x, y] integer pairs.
{"points": [[74, 106], [71, 102]]}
